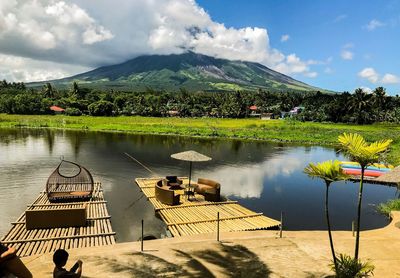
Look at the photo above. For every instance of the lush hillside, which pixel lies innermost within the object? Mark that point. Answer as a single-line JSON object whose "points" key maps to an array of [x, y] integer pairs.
{"points": [[189, 70]]}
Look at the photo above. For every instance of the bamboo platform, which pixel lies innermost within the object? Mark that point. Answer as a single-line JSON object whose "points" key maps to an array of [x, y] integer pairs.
{"points": [[97, 232], [198, 216], [391, 178]]}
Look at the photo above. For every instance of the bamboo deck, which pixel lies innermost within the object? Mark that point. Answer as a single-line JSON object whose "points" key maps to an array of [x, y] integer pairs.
{"points": [[97, 232], [391, 178], [199, 216]]}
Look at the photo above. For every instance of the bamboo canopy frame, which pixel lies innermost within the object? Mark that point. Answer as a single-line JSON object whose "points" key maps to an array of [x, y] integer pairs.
{"points": [[79, 186]]}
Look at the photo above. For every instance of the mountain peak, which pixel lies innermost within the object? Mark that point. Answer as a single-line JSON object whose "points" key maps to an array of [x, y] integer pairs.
{"points": [[189, 70]]}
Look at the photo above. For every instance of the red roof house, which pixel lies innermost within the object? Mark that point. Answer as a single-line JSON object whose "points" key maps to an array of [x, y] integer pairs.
{"points": [[57, 109]]}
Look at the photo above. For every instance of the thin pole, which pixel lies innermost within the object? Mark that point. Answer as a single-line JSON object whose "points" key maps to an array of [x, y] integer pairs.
{"points": [[352, 227], [281, 226], [141, 241], [218, 226], [190, 171]]}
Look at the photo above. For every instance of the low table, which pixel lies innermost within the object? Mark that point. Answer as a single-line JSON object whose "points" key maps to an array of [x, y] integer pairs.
{"points": [[189, 191]]}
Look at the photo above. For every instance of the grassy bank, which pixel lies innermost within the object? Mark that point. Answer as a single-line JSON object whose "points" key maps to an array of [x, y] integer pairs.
{"points": [[254, 129]]}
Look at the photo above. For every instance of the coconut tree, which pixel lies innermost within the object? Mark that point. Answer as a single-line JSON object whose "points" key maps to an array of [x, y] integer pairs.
{"points": [[357, 149], [330, 171]]}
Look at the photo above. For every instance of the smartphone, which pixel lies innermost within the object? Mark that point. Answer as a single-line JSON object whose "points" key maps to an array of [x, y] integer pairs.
{"points": [[75, 267]]}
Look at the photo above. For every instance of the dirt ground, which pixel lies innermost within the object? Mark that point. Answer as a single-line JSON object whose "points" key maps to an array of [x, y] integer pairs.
{"points": [[240, 254]]}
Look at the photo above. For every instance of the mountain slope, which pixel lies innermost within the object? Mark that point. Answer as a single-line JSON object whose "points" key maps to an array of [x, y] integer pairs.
{"points": [[188, 70]]}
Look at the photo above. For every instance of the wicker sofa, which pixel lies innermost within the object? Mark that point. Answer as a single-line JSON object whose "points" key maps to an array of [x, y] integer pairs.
{"points": [[165, 195], [211, 190]]}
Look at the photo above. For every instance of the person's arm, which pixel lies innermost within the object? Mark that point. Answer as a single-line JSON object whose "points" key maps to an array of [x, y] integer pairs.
{"points": [[9, 254], [78, 268]]}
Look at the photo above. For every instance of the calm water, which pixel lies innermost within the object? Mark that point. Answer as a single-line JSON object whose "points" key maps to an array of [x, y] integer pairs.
{"points": [[264, 177]]}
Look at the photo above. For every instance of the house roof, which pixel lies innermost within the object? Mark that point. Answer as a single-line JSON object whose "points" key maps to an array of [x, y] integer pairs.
{"points": [[56, 108], [253, 107]]}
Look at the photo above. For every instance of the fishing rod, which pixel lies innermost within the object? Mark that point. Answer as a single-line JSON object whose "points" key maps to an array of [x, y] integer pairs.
{"points": [[141, 164], [145, 167]]}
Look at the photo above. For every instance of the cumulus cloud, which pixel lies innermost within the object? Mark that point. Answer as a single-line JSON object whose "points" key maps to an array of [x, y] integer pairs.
{"points": [[285, 38], [346, 54], [389, 78], [293, 65], [373, 24], [370, 74], [83, 34], [374, 77]]}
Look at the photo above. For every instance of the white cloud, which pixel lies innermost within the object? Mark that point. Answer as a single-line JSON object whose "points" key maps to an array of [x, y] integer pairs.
{"points": [[108, 32], [370, 74], [328, 70], [346, 55], [18, 68], [285, 38], [294, 65], [340, 18], [373, 24], [389, 78], [366, 89]]}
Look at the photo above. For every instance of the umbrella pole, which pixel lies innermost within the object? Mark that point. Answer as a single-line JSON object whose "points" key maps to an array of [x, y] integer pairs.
{"points": [[190, 171]]}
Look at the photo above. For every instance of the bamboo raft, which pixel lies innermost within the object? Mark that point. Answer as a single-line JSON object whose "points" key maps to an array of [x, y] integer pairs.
{"points": [[198, 216], [391, 178], [97, 232]]}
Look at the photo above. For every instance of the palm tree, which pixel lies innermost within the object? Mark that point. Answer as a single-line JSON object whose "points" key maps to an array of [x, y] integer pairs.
{"points": [[330, 171], [365, 154], [48, 90], [360, 105]]}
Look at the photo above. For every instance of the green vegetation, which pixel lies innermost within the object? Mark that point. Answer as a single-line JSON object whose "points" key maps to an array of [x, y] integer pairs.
{"points": [[390, 205], [355, 146], [330, 171], [348, 267], [357, 149], [249, 129]]}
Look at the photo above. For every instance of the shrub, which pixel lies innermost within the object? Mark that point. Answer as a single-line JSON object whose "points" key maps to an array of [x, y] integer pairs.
{"points": [[348, 267], [71, 111], [390, 205]]}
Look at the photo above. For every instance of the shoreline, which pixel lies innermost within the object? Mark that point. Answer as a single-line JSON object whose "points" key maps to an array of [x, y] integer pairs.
{"points": [[276, 131]]}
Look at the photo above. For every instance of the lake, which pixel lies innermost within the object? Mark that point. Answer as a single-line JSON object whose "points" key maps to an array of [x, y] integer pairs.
{"points": [[264, 177]]}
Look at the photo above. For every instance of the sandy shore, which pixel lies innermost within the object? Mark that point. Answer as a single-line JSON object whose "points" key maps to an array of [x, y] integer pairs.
{"points": [[241, 254]]}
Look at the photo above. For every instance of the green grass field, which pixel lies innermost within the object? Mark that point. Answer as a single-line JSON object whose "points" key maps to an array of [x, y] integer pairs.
{"points": [[246, 129]]}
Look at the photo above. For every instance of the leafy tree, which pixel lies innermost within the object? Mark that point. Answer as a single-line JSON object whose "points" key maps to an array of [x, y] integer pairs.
{"points": [[357, 149], [101, 108], [330, 171]]}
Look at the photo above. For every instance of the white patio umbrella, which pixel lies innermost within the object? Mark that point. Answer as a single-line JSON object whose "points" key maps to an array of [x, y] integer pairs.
{"points": [[191, 156]]}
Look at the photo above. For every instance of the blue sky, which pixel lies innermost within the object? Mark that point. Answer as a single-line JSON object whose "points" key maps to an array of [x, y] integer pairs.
{"points": [[323, 31], [337, 45]]}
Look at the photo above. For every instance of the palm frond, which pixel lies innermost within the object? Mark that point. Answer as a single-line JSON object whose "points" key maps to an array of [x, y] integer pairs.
{"points": [[360, 151], [328, 170]]}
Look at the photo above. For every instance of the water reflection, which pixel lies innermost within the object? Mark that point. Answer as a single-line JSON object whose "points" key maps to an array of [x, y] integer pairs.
{"points": [[264, 177]]}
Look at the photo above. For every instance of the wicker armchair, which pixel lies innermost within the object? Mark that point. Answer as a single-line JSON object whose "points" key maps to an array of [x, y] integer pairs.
{"points": [[211, 190]]}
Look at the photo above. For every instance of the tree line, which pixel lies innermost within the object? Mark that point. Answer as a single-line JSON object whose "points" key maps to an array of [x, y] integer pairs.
{"points": [[358, 107]]}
